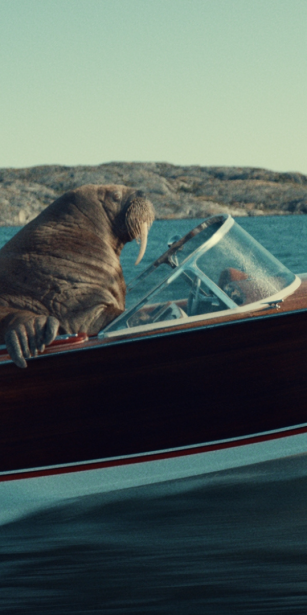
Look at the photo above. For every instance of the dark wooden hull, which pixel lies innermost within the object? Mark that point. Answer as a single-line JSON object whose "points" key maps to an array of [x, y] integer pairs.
{"points": [[177, 389]]}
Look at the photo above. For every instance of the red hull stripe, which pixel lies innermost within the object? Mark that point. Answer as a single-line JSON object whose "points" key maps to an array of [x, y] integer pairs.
{"points": [[95, 465]]}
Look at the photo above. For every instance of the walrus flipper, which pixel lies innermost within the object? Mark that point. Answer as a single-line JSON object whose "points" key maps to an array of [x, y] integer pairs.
{"points": [[28, 334]]}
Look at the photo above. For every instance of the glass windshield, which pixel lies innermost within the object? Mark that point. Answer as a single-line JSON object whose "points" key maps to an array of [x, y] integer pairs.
{"points": [[243, 269], [215, 267]]}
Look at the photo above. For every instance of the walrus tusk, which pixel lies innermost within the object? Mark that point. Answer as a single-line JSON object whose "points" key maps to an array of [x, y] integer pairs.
{"points": [[143, 237]]}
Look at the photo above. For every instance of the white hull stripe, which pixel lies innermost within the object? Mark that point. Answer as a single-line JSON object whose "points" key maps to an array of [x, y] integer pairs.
{"points": [[159, 455]]}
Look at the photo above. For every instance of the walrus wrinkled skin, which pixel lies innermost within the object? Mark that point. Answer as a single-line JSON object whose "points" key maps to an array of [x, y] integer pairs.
{"points": [[61, 273]]}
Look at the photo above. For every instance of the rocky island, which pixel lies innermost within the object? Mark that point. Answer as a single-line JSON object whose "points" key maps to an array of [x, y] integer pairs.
{"points": [[176, 191]]}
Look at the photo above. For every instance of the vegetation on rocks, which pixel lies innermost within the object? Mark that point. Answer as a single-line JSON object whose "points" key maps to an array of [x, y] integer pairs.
{"points": [[176, 191]]}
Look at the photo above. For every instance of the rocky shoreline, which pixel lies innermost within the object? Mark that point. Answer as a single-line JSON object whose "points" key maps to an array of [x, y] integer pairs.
{"points": [[176, 191]]}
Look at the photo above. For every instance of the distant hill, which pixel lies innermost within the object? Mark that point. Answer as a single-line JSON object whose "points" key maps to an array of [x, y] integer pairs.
{"points": [[176, 191]]}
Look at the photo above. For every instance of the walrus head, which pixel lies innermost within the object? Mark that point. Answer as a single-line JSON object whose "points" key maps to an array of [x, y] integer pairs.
{"points": [[134, 218]]}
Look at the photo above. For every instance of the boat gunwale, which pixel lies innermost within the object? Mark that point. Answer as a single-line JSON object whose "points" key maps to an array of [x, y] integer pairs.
{"points": [[94, 343], [73, 344]]}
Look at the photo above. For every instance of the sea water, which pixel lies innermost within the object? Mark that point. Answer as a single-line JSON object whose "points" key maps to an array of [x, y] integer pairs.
{"points": [[234, 542], [283, 236]]}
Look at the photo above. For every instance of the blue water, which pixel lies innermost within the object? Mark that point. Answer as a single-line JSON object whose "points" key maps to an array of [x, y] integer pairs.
{"points": [[283, 236], [230, 543]]}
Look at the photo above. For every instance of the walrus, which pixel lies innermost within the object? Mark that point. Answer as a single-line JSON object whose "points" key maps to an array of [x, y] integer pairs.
{"points": [[61, 273]]}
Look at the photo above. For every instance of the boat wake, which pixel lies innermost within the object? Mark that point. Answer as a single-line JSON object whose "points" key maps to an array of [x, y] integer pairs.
{"points": [[230, 542]]}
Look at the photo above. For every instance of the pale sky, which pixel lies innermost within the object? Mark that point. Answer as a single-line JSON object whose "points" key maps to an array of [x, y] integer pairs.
{"points": [[209, 82]]}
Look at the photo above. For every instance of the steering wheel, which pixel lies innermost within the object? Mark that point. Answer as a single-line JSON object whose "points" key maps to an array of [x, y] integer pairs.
{"points": [[193, 298]]}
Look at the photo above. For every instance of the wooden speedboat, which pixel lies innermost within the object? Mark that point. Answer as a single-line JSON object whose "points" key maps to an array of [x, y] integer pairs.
{"points": [[204, 371]]}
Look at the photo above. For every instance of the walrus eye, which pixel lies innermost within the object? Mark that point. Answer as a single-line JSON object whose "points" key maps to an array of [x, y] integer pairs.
{"points": [[116, 196]]}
